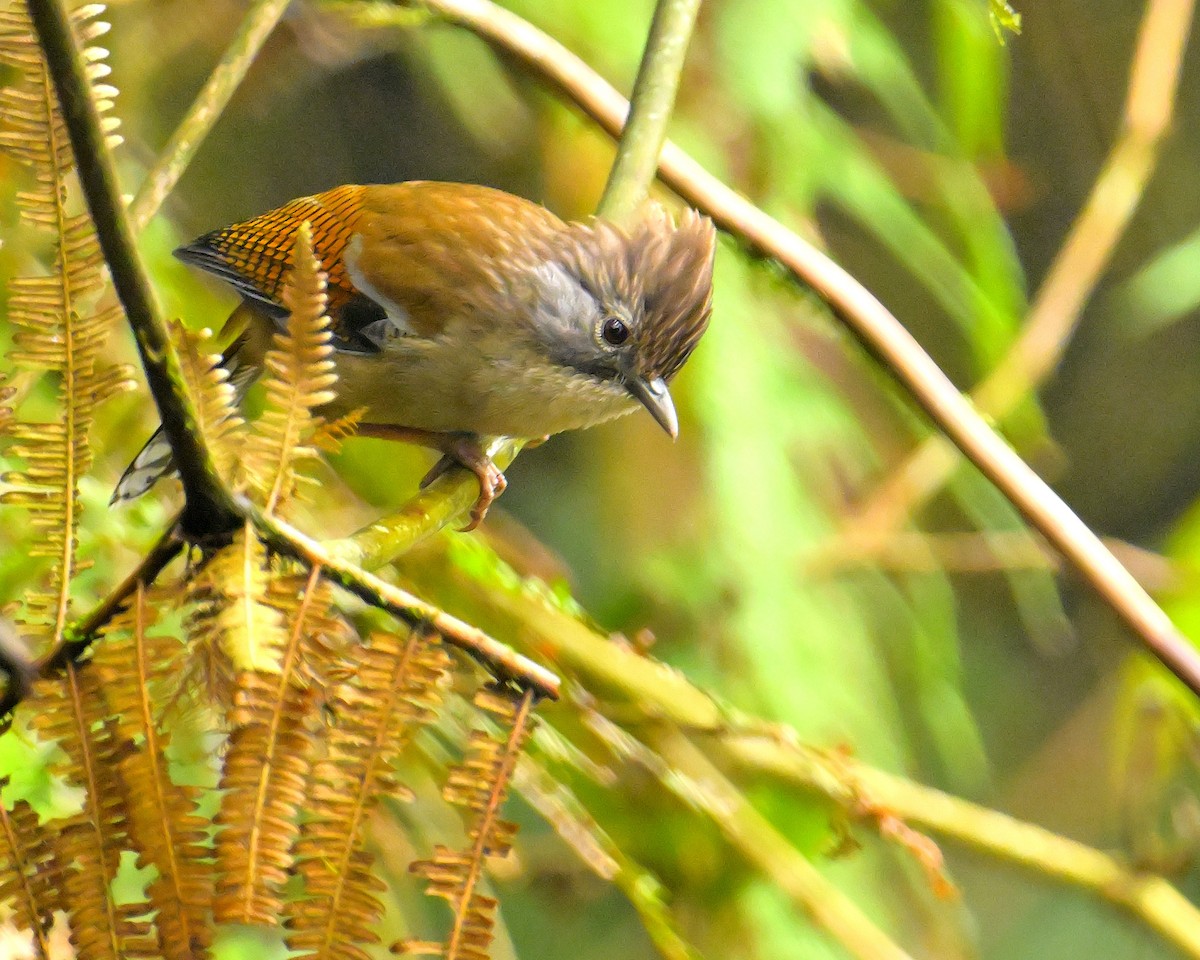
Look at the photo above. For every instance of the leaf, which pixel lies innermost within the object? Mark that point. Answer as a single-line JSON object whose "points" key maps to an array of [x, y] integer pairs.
{"points": [[299, 379], [57, 327], [479, 785]]}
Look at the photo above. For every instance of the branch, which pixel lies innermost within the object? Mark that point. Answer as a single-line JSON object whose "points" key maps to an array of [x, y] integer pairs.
{"points": [[866, 317], [205, 110], [652, 102], [81, 634], [209, 505], [1071, 280], [1146, 896], [499, 659], [452, 494]]}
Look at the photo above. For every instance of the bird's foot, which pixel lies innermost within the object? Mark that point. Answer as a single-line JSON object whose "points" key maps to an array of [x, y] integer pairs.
{"points": [[458, 449], [464, 449]]}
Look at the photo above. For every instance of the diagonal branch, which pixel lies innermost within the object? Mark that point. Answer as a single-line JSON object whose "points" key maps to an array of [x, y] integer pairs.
{"points": [[209, 506], [499, 659], [863, 790], [207, 108], [631, 683], [866, 317], [1081, 261]]}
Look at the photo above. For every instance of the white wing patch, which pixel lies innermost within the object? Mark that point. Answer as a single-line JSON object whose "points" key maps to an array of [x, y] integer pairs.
{"points": [[396, 322]]}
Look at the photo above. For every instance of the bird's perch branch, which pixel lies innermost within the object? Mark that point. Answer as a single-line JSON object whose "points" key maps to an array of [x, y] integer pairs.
{"points": [[209, 506], [866, 317]]}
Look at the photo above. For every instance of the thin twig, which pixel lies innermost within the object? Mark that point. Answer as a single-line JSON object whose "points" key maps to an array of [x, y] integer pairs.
{"points": [[653, 100], [984, 552], [207, 108], [209, 506], [498, 658], [866, 317], [80, 635], [1071, 280]]}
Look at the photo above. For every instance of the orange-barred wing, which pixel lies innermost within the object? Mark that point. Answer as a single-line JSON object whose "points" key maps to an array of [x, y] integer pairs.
{"points": [[255, 256]]}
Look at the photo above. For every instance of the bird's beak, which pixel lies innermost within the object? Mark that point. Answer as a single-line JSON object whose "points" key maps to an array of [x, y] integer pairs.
{"points": [[655, 397]]}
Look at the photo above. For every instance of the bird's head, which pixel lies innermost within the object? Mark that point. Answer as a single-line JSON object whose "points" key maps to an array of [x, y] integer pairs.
{"points": [[626, 307]]}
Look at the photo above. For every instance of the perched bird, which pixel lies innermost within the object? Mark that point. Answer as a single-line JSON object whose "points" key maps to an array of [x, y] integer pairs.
{"points": [[461, 312]]}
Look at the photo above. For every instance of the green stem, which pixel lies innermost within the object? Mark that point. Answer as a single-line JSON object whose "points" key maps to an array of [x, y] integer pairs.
{"points": [[392, 536], [650, 109], [209, 505], [205, 110]]}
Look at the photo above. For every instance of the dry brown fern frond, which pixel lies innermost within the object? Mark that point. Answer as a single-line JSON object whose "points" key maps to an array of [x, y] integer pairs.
{"points": [[394, 689], [71, 711], [217, 417], [329, 434], [232, 625], [479, 785], [299, 377], [29, 872], [267, 764], [138, 672], [307, 602], [58, 328]]}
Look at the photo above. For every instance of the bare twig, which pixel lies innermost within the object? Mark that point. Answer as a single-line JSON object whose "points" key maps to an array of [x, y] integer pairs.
{"points": [[79, 636], [653, 99], [209, 506], [985, 552], [225, 78], [869, 319], [1071, 280]]}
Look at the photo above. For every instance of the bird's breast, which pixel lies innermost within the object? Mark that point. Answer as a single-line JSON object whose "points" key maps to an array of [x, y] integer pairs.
{"points": [[473, 381]]}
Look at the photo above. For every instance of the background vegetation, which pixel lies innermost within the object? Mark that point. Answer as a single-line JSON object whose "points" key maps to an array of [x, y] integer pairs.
{"points": [[778, 555]]}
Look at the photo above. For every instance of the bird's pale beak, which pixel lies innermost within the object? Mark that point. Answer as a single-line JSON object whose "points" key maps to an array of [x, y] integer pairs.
{"points": [[655, 397]]}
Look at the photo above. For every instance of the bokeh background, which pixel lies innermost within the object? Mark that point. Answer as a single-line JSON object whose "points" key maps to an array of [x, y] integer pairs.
{"points": [[944, 168]]}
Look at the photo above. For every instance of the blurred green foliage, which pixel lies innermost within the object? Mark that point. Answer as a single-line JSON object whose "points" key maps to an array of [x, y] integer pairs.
{"points": [[943, 168]]}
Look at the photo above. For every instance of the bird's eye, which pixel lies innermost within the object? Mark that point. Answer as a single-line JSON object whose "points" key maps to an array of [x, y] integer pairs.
{"points": [[615, 331]]}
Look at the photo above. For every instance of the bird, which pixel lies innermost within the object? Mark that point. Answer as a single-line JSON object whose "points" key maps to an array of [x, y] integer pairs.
{"points": [[461, 312]]}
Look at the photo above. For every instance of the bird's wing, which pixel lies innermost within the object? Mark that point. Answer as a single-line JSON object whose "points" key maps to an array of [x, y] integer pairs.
{"points": [[255, 256]]}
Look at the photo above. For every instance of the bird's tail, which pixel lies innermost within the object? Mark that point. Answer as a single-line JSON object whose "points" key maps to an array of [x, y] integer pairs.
{"points": [[242, 359], [153, 462]]}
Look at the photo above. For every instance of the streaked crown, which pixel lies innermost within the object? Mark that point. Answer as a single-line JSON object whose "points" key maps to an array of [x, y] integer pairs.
{"points": [[658, 273]]}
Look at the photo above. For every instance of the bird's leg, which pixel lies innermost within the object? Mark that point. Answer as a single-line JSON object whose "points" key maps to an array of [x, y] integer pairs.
{"points": [[458, 448]]}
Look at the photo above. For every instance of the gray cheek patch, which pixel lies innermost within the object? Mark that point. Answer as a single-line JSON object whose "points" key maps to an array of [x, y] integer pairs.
{"points": [[562, 303]]}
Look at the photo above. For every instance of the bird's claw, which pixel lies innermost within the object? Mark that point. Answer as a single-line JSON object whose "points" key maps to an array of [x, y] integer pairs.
{"points": [[466, 452]]}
